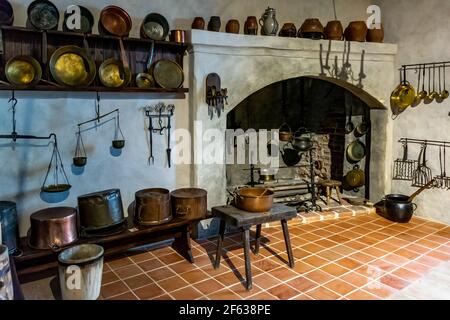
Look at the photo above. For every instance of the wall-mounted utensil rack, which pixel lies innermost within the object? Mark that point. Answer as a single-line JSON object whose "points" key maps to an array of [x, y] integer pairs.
{"points": [[160, 111], [444, 144], [23, 41], [417, 171]]}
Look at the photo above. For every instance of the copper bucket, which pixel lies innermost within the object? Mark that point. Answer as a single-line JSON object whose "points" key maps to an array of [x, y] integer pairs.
{"points": [[53, 228], [190, 203], [152, 206]]}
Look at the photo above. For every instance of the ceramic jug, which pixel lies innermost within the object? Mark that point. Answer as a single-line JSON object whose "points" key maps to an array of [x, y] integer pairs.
{"points": [[268, 22]]}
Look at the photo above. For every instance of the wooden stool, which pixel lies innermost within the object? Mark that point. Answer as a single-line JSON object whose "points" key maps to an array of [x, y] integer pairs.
{"points": [[244, 220], [329, 186]]}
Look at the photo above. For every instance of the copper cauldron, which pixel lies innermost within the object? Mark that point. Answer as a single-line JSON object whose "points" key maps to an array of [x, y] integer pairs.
{"points": [[190, 203], [53, 228], [152, 206], [254, 199]]}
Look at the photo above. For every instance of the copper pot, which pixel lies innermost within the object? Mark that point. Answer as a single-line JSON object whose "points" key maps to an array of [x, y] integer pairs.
{"points": [[312, 29], [53, 228], [251, 26], [375, 35], [288, 30], [100, 210], [114, 21], [190, 203], [334, 30], [232, 26], [198, 23], [356, 31], [254, 199], [177, 36], [152, 206]]}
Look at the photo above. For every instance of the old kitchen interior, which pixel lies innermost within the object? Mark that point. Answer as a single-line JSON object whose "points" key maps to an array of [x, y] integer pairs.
{"points": [[90, 134]]}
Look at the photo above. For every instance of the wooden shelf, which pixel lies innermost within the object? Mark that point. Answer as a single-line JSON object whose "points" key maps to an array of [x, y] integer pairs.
{"points": [[96, 89], [23, 41]]}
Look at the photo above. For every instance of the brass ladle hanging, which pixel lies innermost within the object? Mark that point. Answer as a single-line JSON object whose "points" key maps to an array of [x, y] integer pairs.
{"points": [[79, 159], [434, 94], [417, 98], [423, 93], [444, 94]]}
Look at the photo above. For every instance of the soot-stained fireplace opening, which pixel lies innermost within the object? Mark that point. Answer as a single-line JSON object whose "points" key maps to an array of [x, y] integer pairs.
{"points": [[323, 108]]}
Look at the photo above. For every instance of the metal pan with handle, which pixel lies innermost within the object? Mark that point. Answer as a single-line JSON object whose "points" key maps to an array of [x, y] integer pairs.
{"points": [[356, 151]]}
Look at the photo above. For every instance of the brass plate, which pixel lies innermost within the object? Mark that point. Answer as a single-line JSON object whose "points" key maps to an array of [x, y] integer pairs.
{"points": [[113, 75], [154, 30], [23, 71], [70, 66], [168, 74]]}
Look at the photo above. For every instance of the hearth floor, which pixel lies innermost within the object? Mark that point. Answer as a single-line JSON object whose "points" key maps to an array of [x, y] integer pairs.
{"points": [[358, 257]]}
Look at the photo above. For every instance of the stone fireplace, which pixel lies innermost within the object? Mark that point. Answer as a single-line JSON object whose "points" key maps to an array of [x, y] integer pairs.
{"points": [[357, 75]]}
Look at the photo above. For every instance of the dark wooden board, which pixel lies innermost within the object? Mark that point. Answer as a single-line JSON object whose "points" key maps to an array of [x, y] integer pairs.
{"points": [[239, 218], [22, 41]]}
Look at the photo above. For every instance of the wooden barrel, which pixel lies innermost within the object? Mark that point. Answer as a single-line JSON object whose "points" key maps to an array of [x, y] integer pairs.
{"points": [[152, 206], [190, 203]]}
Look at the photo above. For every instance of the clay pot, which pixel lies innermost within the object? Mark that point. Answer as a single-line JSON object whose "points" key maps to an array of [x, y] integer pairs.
{"points": [[334, 30], [375, 35], [198, 23], [251, 26], [232, 26], [288, 30], [356, 31], [214, 24], [312, 29]]}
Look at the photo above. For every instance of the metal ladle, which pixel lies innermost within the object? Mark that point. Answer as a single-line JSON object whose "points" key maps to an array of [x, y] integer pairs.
{"points": [[417, 98], [423, 94], [434, 94], [444, 93]]}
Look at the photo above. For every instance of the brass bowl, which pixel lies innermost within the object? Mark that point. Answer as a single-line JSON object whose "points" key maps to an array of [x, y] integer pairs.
{"points": [[23, 71], [79, 161], [115, 21], [113, 74], [118, 144], [144, 81], [71, 66]]}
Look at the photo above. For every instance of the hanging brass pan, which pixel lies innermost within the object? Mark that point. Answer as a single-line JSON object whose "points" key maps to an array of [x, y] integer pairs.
{"points": [[71, 66], [23, 71]]}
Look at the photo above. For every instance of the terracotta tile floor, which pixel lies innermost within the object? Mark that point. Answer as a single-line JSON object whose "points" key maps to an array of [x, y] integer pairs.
{"points": [[362, 257]]}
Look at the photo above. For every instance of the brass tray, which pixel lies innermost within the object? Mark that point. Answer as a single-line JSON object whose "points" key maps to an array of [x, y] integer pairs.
{"points": [[71, 66], [167, 74]]}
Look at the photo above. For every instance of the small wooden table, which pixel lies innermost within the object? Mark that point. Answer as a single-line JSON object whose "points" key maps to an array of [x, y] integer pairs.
{"points": [[244, 220]]}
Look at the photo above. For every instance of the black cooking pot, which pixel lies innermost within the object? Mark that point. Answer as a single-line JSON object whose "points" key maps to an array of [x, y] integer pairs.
{"points": [[290, 155], [396, 207], [302, 142]]}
